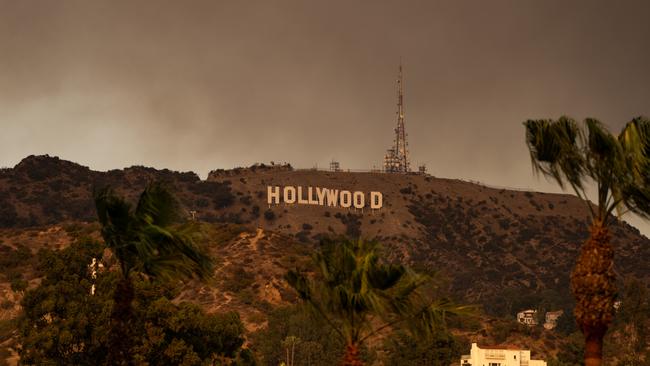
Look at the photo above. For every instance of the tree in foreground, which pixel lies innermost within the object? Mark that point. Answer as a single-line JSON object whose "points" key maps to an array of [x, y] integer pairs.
{"points": [[147, 240], [64, 325], [619, 168], [359, 297], [61, 322]]}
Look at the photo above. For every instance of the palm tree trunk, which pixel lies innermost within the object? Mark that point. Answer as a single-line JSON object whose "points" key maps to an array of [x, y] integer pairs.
{"points": [[351, 357], [594, 288], [120, 337]]}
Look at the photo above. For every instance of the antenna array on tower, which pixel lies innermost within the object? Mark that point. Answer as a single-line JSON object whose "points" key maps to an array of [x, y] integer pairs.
{"points": [[396, 159]]}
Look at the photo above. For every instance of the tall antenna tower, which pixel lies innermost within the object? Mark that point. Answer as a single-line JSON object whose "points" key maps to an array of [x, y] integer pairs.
{"points": [[396, 159]]}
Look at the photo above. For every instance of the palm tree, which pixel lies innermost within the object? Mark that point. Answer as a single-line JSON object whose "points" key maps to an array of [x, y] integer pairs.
{"points": [[359, 297], [619, 167], [145, 240]]}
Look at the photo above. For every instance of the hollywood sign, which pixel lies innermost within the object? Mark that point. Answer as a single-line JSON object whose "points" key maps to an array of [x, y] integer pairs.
{"points": [[323, 197]]}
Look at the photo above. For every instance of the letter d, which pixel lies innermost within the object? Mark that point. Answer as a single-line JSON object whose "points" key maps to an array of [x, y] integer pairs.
{"points": [[376, 200]]}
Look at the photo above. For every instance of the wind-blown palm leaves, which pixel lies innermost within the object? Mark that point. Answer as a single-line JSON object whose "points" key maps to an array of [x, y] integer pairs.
{"points": [[145, 240], [619, 167], [358, 296]]}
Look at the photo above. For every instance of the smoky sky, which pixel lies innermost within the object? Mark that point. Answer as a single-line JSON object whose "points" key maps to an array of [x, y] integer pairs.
{"points": [[200, 85]]}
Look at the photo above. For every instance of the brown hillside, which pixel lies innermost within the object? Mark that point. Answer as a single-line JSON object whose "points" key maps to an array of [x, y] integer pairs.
{"points": [[485, 240]]}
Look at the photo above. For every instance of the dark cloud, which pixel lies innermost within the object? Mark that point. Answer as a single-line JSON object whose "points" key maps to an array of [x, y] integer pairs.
{"points": [[210, 84]]}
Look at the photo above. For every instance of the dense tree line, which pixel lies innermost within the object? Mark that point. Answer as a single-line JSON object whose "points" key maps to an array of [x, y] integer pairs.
{"points": [[64, 324]]}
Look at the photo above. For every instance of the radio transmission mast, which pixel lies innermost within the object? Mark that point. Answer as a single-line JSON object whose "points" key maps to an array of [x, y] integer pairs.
{"points": [[396, 159]]}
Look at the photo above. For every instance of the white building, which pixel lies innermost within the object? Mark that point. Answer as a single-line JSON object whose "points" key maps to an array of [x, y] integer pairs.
{"points": [[499, 356], [527, 317]]}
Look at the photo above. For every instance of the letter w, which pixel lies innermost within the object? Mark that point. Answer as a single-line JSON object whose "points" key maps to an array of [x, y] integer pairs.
{"points": [[332, 197]]}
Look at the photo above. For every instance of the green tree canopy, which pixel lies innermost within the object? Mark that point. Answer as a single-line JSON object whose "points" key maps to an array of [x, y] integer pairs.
{"points": [[64, 324]]}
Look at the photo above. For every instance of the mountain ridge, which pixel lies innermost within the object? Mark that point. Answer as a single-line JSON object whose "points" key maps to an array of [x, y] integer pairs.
{"points": [[483, 239]]}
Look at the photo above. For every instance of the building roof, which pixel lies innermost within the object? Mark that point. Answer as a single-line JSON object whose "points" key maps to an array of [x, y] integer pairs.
{"points": [[510, 347]]}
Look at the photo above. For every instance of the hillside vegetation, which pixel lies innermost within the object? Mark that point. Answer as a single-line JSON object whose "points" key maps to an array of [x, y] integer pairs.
{"points": [[502, 249]]}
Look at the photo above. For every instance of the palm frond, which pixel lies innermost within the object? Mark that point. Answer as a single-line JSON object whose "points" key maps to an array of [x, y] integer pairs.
{"points": [[605, 164], [112, 211], [148, 238], [157, 245], [619, 166], [635, 142], [353, 287], [554, 150], [157, 205]]}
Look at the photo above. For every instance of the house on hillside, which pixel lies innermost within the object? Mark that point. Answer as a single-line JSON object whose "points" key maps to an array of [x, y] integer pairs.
{"points": [[527, 317], [551, 319], [504, 355]]}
